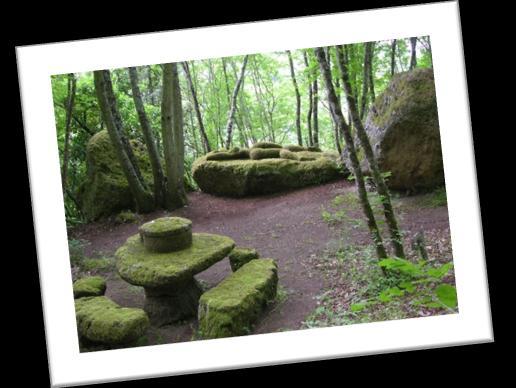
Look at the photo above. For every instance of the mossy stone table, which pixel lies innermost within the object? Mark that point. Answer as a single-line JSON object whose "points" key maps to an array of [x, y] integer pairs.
{"points": [[171, 291]]}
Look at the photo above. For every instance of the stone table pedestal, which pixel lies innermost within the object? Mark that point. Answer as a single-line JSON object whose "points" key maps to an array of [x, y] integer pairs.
{"points": [[171, 291]]}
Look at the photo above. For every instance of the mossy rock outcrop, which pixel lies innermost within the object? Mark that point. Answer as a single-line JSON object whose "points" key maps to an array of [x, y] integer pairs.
{"points": [[232, 307], [240, 256], [102, 321], [140, 267], [403, 128], [89, 286], [241, 177], [105, 190]]}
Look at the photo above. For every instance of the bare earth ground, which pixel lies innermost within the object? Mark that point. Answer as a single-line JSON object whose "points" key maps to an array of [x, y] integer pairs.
{"points": [[287, 227]]}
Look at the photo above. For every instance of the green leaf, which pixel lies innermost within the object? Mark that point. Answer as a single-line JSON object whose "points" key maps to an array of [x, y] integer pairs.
{"points": [[356, 307], [408, 286], [447, 295], [440, 272]]}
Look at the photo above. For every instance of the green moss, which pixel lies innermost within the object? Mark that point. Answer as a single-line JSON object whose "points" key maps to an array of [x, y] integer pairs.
{"points": [[166, 234], [126, 217], [89, 286], [265, 144], [140, 267], [234, 154], [286, 154], [101, 320], [231, 308], [105, 190], [240, 256], [239, 178], [294, 148], [264, 153], [101, 263], [166, 226]]}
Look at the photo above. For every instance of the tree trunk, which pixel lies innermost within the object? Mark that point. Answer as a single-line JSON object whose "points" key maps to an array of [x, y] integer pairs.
{"points": [[298, 100], [150, 141], [366, 79], [173, 137], [350, 146], [315, 104], [205, 141], [111, 116], [396, 237], [413, 54], [231, 116], [393, 57], [70, 99], [371, 73], [310, 101]]}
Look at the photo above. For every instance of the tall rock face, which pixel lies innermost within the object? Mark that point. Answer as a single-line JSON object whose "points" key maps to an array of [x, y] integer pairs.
{"points": [[403, 128], [105, 190]]}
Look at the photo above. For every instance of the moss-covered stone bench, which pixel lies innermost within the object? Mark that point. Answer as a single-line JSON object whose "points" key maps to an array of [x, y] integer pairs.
{"points": [[231, 308], [265, 168], [89, 286], [102, 321], [165, 268], [240, 256]]}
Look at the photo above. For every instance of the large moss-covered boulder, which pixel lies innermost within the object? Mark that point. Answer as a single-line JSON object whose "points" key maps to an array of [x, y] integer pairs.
{"points": [[105, 190], [232, 307], [403, 128], [141, 267], [100, 320], [237, 178], [89, 286]]}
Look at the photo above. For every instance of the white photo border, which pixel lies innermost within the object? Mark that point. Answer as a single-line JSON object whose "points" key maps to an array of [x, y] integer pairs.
{"points": [[37, 63]]}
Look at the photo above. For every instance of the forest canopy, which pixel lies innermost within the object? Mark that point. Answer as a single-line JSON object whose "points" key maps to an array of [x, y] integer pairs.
{"points": [[223, 103]]}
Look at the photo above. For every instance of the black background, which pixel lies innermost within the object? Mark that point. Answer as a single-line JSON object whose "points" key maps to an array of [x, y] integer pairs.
{"points": [[52, 23]]}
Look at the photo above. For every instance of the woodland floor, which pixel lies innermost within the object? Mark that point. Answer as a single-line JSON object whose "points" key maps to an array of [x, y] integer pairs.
{"points": [[288, 227]]}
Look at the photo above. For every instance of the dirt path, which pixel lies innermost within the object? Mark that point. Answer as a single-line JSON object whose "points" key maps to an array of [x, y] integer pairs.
{"points": [[286, 226]]}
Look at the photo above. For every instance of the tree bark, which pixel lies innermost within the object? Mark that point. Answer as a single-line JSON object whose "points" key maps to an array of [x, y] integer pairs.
{"points": [[231, 116], [393, 57], [310, 101], [173, 137], [371, 74], [205, 141], [396, 237], [150, 141], [315, 113], [350, 146], [413, 53], [366, 79], [298, 100], [70, 99], [111, 116]]}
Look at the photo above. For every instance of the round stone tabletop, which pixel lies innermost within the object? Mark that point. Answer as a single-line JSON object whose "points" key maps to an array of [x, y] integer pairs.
{"points": [[138, 266]]}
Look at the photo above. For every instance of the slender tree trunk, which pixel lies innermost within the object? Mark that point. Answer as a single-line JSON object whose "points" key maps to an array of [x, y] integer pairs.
{"points": [[393, 57], [150, 85], [315, 104], [231, 116], [396, 237], [366, 78], [150, 141], [70, 99], [310, 102], [205, 141], [413, 53], [350, 146], [298, 100], [371, 73], [111, 116], [173, 137]]}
